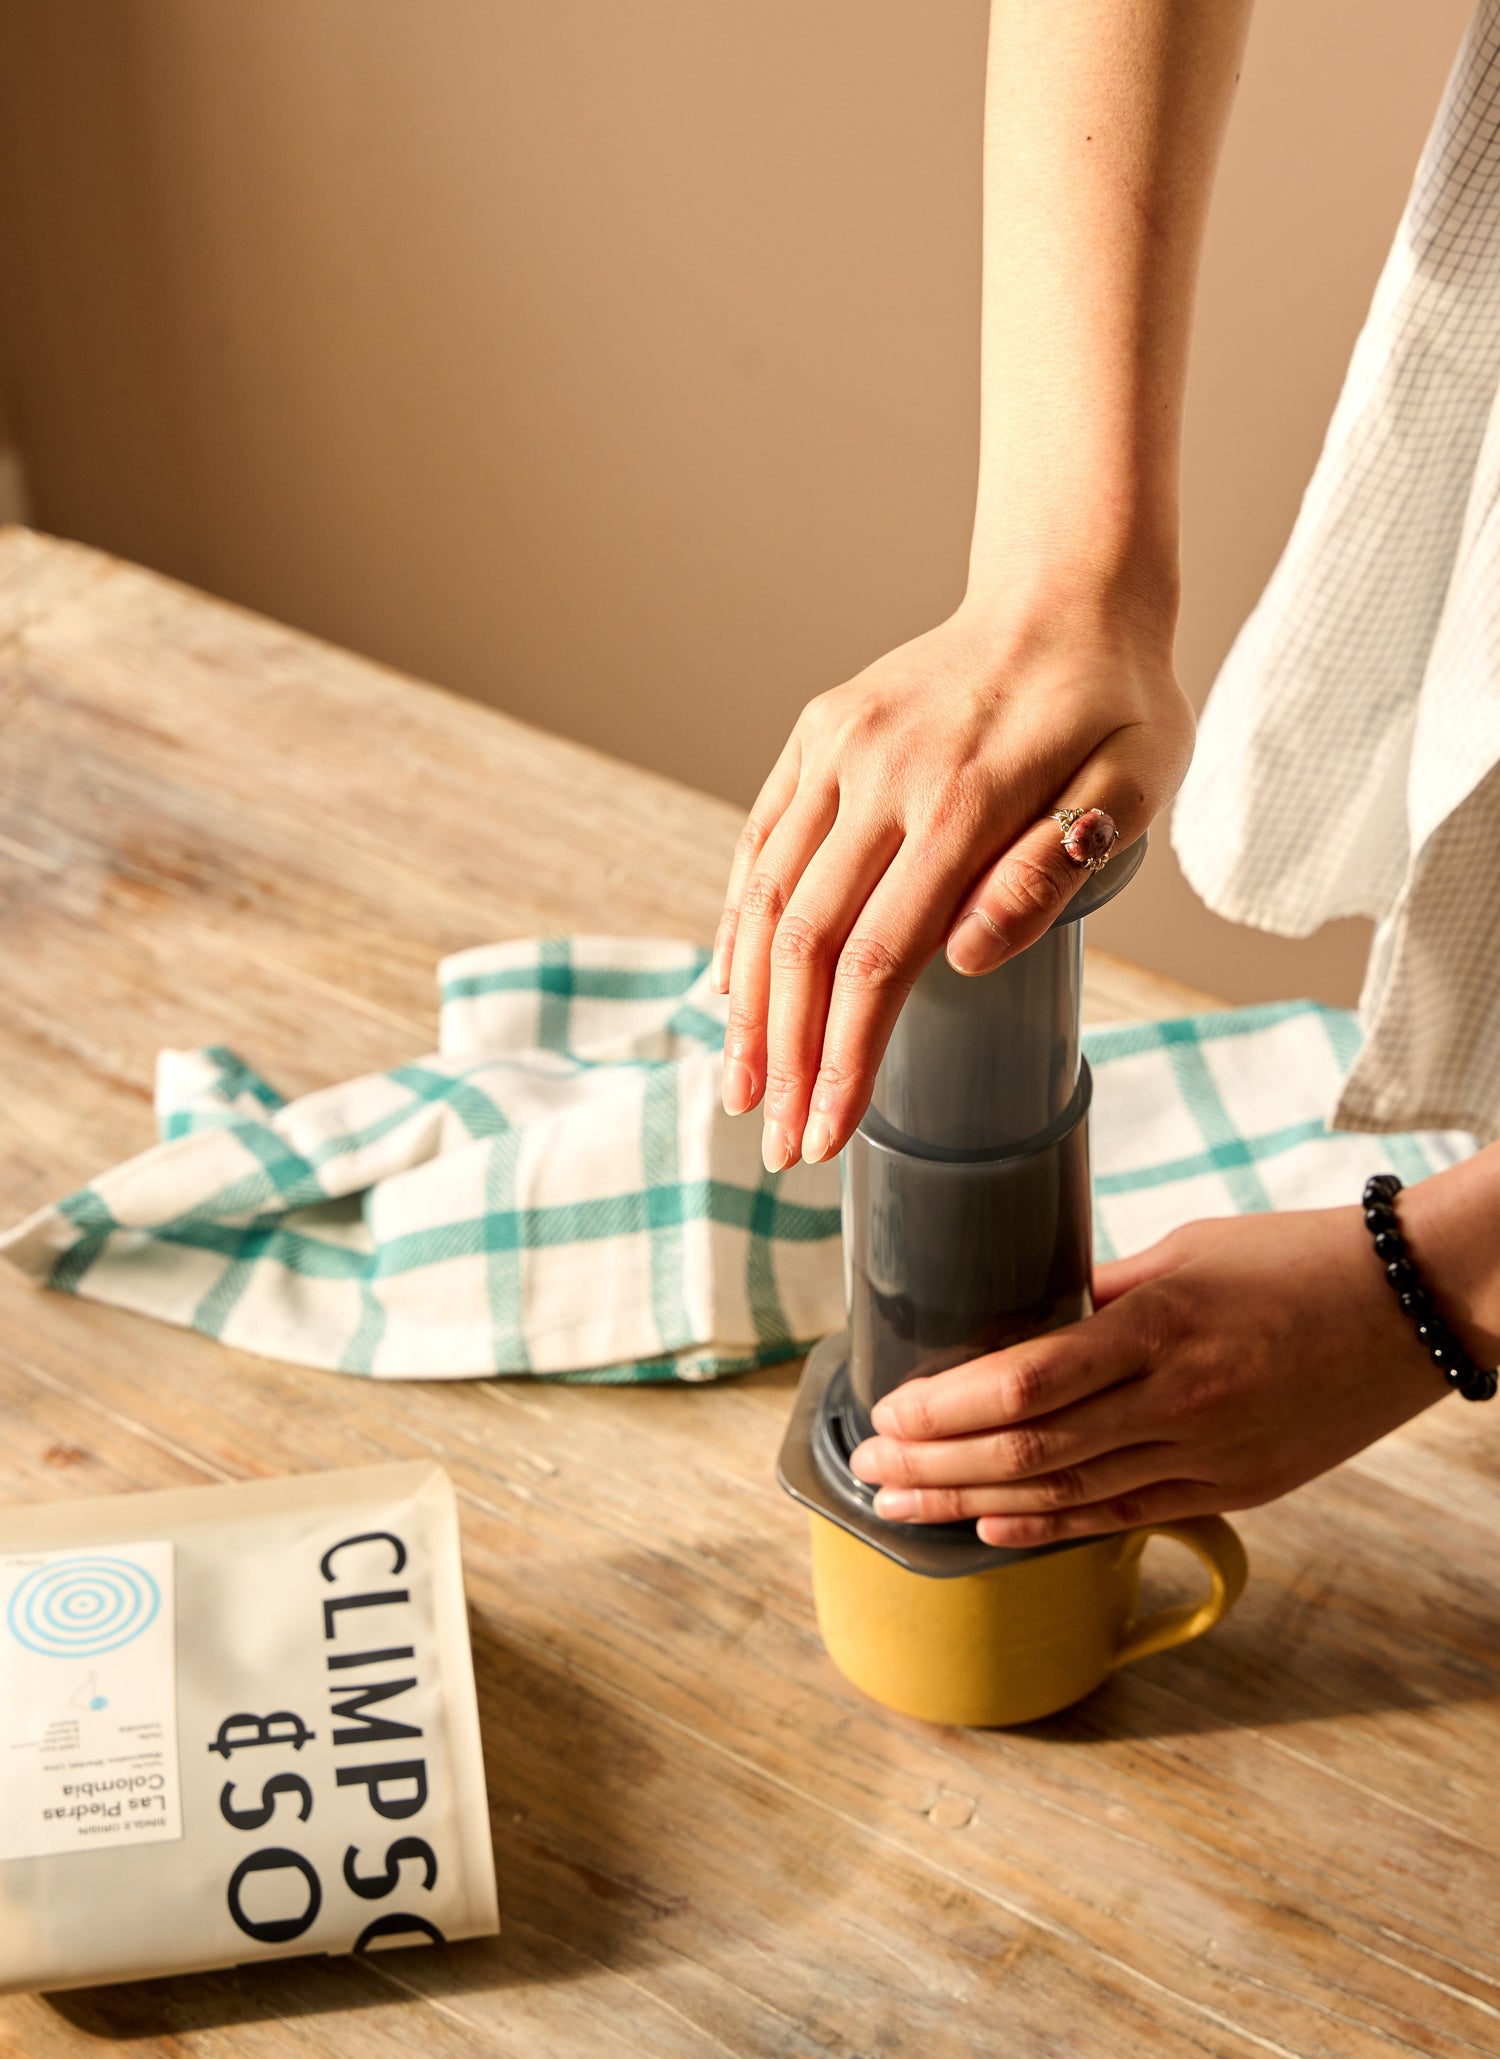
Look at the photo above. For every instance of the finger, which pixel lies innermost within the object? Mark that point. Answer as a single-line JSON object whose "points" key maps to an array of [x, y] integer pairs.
{"points": [[827, 903], [1023, 1451], [1167, 1501], [771, 803], [1122, 1275], [782, 860], [1027, 888], [902, 925], [1020, 1383], [1129, 1471]]}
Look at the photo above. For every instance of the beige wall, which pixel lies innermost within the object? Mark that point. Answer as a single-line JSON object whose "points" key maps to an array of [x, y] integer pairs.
{"points": [[616, 364]]}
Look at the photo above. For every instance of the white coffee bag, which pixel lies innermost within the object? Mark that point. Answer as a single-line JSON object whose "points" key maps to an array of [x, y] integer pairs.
{"points": [[237, 1723]]}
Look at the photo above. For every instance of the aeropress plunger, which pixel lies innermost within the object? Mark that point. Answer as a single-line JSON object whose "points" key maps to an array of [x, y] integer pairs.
{"points": [[967, 1227]]}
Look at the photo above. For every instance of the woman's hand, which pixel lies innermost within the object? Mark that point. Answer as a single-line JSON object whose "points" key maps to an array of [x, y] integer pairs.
{"points": [[1225, 1366], [913, 806]]}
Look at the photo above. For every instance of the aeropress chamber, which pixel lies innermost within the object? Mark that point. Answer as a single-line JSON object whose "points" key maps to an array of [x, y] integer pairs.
{"points": [[967, 1226]]}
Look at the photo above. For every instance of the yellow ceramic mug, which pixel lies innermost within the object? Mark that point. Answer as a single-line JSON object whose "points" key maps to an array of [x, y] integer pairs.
{"points": [[1015, 1641]]}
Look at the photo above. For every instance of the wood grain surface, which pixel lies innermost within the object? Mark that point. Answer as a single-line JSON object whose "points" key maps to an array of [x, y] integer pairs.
{"points": [[1281, 1840]]}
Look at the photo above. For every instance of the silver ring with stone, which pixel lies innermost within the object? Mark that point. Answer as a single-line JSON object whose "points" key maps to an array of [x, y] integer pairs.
{"points": [[1089, 836]]}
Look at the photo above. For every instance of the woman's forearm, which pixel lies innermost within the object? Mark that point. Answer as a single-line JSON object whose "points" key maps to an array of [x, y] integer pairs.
{"points": [[914, 806], [1103, 123]]}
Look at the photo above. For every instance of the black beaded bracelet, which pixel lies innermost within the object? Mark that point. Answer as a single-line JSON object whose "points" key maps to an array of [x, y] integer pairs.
{"points": [[1474, 1383]]}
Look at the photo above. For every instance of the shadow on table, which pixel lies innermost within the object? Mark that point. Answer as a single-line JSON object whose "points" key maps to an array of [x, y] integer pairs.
{"points": [[1258, 1671], [557, 1765]]}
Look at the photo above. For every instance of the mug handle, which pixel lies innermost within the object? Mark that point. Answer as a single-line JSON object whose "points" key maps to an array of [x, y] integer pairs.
{"points": [[1219, 1547]]}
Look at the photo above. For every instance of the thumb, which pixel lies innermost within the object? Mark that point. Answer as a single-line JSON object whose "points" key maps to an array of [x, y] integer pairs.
{"points": [[1121, 1275]]}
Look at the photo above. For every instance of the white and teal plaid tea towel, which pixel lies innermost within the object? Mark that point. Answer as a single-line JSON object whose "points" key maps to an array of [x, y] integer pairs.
{"points": [[557, 1190]]}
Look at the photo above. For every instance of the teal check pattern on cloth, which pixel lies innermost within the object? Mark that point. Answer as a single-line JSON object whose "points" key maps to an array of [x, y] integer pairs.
{"points": [[1226, 1114], [556, 1190]]}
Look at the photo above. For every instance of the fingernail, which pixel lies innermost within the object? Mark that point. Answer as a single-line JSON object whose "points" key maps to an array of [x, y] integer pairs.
{"points": [[883, 1417], [739, 1087], [816, 1139], [976, 945], [775, 1148], [718, 972], [895, 1503]]}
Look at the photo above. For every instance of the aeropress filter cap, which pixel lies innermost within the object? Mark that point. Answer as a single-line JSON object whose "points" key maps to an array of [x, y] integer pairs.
{"points": [[967, 1221]]}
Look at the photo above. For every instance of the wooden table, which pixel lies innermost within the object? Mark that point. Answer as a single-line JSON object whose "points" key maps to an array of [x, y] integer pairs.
{"points": [[1281, 1840]]}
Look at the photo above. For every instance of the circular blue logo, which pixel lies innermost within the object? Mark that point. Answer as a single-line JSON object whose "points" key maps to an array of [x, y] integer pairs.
{"points": [[77, 1608]]}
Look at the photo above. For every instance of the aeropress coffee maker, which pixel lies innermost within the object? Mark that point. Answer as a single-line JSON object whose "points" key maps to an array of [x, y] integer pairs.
{"points": [[967, 1226]]}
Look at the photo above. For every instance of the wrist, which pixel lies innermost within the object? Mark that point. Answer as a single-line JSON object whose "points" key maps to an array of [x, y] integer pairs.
{"points": [[1451, 1223], [1089, 589]]}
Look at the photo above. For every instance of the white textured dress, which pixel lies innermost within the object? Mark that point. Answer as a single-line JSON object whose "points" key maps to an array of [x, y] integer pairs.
{"points": [[1348, 761]]}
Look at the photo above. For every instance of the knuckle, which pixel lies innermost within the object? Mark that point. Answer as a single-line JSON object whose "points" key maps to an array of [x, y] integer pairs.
{"points": [[1025, 888], [837, 1078], [1128, 1510], [820, 710], [916, 1415], [1164, 1316], [1037, 1529], [869, 964], [764, 899], [755, 832], [782, 1087], [1022, 1451], [899, 1464], [1213, 1393], [798, 944], [1021, 1387], [859, 714], [1064, 1488], [742, 1032], [942, 1504]]}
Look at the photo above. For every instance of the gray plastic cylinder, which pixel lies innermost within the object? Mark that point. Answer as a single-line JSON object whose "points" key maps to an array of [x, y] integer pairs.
{"points": [[966, 1200], [977, 1064], [980, 1065], [947, 1258]]}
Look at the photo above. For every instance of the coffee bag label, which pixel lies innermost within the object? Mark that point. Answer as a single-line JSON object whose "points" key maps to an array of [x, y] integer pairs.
{"points": [[88, 1713], [256, 1738]]}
